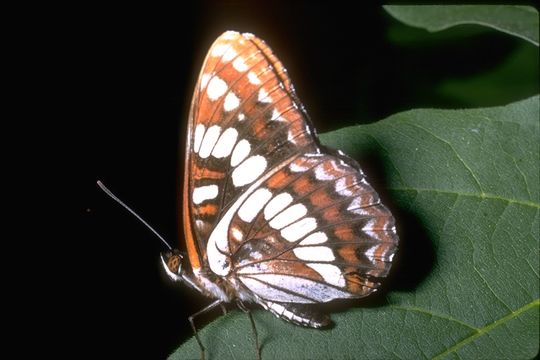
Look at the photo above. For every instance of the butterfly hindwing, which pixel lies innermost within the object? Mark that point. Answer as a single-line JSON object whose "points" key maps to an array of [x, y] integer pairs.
{"points": [[317, 224]]}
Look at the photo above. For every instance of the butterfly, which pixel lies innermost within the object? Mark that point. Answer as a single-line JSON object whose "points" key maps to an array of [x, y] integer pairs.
{"points": [[270, 216]]}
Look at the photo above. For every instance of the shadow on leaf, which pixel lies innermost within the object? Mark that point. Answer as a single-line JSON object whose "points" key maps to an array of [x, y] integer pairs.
{"points": [[415, 257]]}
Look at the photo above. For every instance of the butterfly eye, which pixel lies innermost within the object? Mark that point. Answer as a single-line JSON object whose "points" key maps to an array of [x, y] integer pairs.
{"points": [[172, 263], [175, 264]]}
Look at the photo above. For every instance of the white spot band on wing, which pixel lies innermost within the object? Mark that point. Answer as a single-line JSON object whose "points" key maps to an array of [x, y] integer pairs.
{"points": [[330, 273], [249, 170], [314, 253], [225, 144], [287, 216], [203, 193], [277, 204], [199, 134], [254, 204], [209, 140], [299, 229], [231, 102], [240, 152], [216, 88]]}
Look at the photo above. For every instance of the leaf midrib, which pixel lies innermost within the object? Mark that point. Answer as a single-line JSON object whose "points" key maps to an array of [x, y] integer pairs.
{"points": [[481, 196], [483, 330]]}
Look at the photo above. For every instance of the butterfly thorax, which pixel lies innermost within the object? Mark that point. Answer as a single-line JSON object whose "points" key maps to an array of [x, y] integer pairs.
{"points": [[202, 279], [212, 285]]}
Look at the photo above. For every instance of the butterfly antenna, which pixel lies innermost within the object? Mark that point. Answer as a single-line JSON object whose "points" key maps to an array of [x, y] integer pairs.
{"points": [[115, 198]]}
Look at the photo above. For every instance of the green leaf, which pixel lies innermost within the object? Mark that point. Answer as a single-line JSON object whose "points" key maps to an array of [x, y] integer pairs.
{"points": [[520, 21], [470, 179], [516, 78]]}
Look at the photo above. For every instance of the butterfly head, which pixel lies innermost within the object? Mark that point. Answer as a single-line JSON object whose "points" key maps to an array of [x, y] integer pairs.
{"points": [[172, 263]]}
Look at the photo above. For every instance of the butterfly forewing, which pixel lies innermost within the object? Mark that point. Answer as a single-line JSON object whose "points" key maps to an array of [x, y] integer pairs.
{"points": [[265, 206], [244, 122]]}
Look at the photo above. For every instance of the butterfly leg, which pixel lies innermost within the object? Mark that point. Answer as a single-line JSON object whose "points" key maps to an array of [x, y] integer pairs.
{"points": [[223, 308], [253, 327], [206, 309]]}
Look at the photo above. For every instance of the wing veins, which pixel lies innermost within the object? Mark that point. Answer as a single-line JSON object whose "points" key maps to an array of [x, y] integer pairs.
{"points": [[278, 287]]}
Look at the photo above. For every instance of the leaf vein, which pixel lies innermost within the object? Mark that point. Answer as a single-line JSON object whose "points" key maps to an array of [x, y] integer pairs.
{"points": [[478, 196], [455, 152], [487, 328], [432, 314]]}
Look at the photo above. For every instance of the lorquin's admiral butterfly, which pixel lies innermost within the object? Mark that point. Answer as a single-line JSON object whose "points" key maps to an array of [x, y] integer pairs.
{"points": [[270, 216]]}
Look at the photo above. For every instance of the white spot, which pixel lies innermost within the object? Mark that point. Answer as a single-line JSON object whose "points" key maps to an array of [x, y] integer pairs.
{"points": [[237, 234], [229, 55], [298, 167], [216, 88], [209, 140], [204, 80], [230, 35], [299, 229], [369, 229], [200, 223], [249, 170], [241, 151], [358, 210], [365, 200], [369, 225], [315, 238], [291, 136], [253, 205], [219, 49], [256, 255], [276, 115], [330, 273], [239, 64], [241, 117], [263, 96], [225, 144], [370, 253], [199, 133], [342, 188], [372, 234], [253, 78], [314, 253], [321, 174], [231, 102], [203, 193], [277, 204], [288, 314], [288, 216], [279, 309]]}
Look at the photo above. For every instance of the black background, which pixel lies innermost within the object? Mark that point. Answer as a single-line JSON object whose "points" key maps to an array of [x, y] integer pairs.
{"points": [[128, 75]]}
